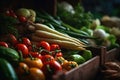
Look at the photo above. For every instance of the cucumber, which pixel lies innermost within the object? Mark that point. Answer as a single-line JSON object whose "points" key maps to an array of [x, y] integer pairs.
{"points": [[6, 71], [9, 54]]}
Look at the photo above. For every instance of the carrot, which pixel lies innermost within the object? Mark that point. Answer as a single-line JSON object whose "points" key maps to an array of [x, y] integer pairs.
{"points": [[62, 43]]}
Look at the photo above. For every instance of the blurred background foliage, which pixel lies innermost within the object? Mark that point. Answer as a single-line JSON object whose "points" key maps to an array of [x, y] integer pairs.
{"points": [[102, 7]]}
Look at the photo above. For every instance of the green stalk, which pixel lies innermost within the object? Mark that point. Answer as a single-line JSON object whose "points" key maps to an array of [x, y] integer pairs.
{"points": [[70, 27]]}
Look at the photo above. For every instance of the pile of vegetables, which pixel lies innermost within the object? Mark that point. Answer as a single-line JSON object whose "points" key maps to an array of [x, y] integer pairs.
{"points": [[104, 37], [94, 35], [21, 59], [35, 44], [40, 55]]}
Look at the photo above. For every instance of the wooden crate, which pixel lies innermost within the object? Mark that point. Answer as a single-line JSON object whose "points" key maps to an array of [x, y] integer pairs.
{"points": [[112, 55], [86, 71]]}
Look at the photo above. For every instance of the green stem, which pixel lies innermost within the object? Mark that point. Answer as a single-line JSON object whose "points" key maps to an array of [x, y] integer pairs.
{"points": [[70, 27]]}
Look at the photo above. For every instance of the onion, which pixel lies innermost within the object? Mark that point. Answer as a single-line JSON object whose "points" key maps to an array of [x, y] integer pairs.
{"points": [[100, 33]]}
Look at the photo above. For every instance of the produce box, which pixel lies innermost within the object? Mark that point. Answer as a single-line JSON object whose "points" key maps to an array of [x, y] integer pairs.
{"points": [[86, 71], [112, 55], [111, 63]]}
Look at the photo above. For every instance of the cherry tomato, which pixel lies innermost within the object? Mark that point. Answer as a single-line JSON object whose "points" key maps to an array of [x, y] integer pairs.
{"points": [[11, 13], [56, 52], [47, 58], [12, 39], [59, 54], [33, 62], [23, 48], [14, 15], [22, 19], [8, 13], [39, 56], [26, 41], [36, 74], [35, 54], [54, 47], [43, 45], [50, 68], [30, 48], [3, 44]]}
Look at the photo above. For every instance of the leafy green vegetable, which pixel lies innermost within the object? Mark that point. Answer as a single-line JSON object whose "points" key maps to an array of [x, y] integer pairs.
{"points": [[113, 39], [78, 19]]}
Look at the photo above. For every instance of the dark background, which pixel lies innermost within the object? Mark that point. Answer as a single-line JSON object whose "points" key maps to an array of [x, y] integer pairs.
{"points": [[97, 7], [102, 7]]}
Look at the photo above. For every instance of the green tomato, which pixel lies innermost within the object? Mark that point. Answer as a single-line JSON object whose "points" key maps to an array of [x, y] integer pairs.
{"points": [[87, 54], [77, 58]]}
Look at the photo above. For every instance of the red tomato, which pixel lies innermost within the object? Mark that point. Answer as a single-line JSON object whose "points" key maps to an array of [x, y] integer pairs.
{"points": [[39, 56], [59, 54], [8, 13], [35, 54], [11, 13], [12, 39], [44, 46], [30, 48], [23, 48], [3, 44], [26, 41], [14, 15], [47, 58], [50, 68], [22, 19], [54, 47]]}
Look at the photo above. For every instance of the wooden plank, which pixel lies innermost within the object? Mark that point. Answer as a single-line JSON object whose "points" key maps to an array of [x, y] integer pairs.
{"points": [[86, 71]]}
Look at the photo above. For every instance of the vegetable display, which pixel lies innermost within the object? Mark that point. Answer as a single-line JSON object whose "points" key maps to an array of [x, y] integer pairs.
{"points": [[36, 46], [39, 62]]}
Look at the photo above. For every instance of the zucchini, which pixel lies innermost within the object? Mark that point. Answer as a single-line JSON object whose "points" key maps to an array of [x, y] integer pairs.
{"points": [[9, 54], [7, 72]]}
